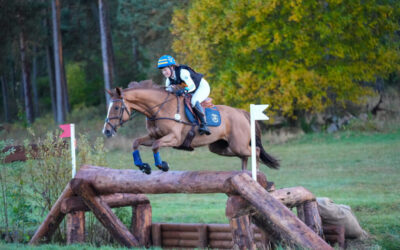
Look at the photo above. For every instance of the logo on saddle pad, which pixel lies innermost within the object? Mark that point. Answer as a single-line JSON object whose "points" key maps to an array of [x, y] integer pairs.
{"points": [[214, 118]]}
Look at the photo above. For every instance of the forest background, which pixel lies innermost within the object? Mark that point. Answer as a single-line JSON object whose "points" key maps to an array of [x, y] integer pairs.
{"points": [[302, 57], [323, 66]]}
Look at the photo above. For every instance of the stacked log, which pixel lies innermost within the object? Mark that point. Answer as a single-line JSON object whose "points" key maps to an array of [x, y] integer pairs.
{"points": [[275, 218], [170, 235], [93, 185]]}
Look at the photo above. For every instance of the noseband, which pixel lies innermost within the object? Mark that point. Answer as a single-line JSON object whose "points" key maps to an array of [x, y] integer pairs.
{"points": [[119, 117]]}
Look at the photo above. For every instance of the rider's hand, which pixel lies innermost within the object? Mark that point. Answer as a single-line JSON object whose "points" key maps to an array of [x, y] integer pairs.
{"points": [[181, 92]]}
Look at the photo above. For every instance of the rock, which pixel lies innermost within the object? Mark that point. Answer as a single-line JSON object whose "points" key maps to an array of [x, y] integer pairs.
{"points": [[363, 117], [332, 128]]}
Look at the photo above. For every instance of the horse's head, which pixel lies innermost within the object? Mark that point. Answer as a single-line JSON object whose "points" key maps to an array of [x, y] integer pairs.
{"points": [[117, 114]]}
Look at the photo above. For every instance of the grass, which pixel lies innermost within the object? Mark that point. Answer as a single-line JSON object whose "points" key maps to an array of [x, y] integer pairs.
{"points": [[353, 168], [359, 169]]}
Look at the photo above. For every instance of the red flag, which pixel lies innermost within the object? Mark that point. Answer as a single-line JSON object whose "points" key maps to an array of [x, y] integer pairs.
{"points": [[66, 130]]}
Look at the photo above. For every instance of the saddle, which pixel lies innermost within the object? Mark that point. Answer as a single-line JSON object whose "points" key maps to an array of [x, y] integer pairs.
{"points": [[212, 115]]}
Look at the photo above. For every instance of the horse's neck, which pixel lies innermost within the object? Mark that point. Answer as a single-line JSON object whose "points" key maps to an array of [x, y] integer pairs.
{"points": [[149, 102]]}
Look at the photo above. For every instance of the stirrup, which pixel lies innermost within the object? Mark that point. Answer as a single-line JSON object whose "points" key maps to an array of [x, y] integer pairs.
{"points": [[204, 130]]}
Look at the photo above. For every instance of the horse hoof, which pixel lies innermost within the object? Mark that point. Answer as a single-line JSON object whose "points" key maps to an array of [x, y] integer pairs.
{"points": [[164, 166], [145, 168]]}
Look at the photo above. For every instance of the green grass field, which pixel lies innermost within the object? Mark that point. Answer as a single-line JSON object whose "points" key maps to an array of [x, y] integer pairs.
{"points": [[358, 169]]}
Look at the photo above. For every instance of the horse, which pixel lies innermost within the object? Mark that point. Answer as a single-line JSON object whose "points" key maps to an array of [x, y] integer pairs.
{"points": [[168, 126]]}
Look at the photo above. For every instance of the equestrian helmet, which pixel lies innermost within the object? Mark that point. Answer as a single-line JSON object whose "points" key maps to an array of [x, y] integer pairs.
{"points": [[166, 60]]}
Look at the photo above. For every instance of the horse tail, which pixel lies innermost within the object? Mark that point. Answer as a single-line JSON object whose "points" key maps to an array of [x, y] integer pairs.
{"points": [[265, 158]]}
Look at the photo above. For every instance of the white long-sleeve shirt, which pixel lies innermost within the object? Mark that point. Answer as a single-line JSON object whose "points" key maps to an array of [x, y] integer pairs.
{"points": [[185, 76]]}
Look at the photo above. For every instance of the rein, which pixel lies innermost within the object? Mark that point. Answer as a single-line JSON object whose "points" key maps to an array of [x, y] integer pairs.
{"points": [[177, 116]]}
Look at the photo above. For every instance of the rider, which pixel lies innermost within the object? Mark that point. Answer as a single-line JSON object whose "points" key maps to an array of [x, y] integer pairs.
{"points": [[192, 81]]}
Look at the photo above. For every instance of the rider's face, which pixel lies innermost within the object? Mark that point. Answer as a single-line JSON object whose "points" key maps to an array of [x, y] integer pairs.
{"points": [[166, 72]]}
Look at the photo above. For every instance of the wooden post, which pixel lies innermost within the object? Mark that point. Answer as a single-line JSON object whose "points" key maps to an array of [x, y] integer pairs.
{"points": [[53, 218], [300, 212], [335, 234], [76, 227], [312, 217], [156, 234], [141, 224], [103, 213], [203, 239], [273, 217], [242, 233]]}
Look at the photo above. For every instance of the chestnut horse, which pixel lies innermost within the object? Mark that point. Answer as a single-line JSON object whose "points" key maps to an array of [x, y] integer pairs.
{"points": [[168, 126]]}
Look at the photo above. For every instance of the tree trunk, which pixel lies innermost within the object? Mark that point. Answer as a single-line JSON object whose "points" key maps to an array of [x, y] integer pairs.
{"points": [[26, 79], [50, 72], [67, 106], [58, 60], [34, 83], [106, 48], [4, 91], [107, 180]]}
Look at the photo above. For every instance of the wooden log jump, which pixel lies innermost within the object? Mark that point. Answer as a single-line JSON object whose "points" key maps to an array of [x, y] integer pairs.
{"points": [[96, 188]]}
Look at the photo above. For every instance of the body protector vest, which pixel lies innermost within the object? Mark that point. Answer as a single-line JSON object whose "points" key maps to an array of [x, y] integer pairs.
{"points": [[196, 77]]}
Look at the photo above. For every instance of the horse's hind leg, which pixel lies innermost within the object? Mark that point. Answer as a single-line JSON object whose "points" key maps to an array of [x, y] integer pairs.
{"points": [[244, 162], [222, 147]]}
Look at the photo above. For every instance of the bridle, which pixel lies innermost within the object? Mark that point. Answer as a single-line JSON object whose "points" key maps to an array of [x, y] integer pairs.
{"points": [[120, 115]]}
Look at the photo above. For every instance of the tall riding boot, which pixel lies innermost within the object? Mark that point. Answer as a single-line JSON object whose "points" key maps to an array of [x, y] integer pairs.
{"points": [[198, 109]]}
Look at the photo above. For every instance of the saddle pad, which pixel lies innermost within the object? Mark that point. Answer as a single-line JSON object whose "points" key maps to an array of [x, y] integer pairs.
{"points": [[213, 116]]}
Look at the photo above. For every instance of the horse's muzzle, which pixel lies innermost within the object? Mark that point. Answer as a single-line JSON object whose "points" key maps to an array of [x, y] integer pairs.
{"points": [[108, 133]]}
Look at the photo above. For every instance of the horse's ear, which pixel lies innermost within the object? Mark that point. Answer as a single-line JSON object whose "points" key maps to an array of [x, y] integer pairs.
{"points": [[109, 92], [119, 91]]}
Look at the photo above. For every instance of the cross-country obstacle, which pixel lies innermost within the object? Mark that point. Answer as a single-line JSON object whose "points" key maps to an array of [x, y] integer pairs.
{"points": [[99, 189]]}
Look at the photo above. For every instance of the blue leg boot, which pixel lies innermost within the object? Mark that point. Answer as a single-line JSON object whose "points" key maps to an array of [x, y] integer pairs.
{"points": [[144, 167], [162, 165]]}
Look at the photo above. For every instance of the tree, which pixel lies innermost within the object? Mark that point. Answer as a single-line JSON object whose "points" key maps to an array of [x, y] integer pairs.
{"points": [[58, 61], [106, 48], [143, 36], [294, 55], [26, 79]]}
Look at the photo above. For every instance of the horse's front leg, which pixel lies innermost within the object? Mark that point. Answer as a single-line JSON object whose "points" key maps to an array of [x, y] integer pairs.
{"points": [[169, 140], [145, 141]]}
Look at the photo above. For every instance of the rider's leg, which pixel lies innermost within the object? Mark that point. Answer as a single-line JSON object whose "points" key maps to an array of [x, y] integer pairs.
{"points": [[200, 95], [198, 109]]}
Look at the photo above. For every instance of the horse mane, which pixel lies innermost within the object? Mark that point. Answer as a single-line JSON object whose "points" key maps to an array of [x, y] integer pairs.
{"points": [[145, 84]]}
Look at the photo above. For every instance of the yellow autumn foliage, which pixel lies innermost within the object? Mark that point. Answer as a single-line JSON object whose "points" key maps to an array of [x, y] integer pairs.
{"points": [[296, 55]]}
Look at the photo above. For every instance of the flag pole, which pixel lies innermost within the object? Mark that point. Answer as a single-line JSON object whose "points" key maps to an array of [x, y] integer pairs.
{"points": [[253, 145], [73, 142], [256, 113]]}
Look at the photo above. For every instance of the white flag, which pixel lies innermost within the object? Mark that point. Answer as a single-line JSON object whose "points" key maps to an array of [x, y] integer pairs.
{"points": [[256, 112]]}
